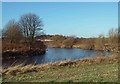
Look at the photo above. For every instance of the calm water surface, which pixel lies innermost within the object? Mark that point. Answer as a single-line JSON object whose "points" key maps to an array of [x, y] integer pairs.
{"points": [[60, 54], [53, 55]]}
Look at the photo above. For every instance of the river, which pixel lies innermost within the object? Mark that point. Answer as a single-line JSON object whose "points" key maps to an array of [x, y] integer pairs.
{"points": [[60, 54], [56, 54]]}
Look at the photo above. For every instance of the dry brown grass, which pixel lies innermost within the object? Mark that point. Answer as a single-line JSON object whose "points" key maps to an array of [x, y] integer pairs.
{"points": [[0, 45], [20, 69], [21, 47]]}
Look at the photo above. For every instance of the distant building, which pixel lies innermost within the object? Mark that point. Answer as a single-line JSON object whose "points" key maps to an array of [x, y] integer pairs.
{"points": [[46, 40]]}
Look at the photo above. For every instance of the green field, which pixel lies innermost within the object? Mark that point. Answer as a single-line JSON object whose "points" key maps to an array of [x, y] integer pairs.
{"points": [[103, 72]]}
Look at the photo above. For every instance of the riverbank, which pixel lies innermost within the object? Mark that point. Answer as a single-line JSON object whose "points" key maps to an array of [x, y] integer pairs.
{"points": [[84, 73], [30, 52], [100, 69], [15, 50], [59, 41]]}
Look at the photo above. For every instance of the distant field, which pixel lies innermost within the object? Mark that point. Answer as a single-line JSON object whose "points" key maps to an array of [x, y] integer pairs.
{"points": [[103, 72]]}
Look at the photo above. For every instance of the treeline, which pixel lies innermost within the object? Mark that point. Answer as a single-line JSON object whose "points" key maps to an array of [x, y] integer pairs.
{"points": [[20, 35], [107, 43]]}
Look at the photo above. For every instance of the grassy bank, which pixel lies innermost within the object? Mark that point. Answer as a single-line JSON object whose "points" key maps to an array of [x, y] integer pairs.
{"points": [[99, 69], [81, 73]]}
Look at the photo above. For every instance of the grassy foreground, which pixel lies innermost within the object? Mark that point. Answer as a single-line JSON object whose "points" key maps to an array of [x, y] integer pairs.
{"points": [[76, 71]]}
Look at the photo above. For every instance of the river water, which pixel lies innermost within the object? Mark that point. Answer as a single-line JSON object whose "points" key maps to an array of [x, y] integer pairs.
{"points": [[56, 54], [60, 54]]}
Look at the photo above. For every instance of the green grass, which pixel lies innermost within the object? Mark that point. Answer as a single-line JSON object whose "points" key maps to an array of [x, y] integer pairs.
{"points": [[103, 72], [0, 79]]}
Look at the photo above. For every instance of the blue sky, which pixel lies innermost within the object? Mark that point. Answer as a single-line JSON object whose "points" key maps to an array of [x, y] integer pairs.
{"points": [[83, 19]]}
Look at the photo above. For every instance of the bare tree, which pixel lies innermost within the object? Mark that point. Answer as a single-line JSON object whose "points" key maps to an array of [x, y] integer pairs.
{"points": [[113, 35], [99, 42], [12, 32], [30, 25]]}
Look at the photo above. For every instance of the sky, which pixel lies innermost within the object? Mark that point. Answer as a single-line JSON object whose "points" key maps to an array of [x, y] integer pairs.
{"points": [[82, 19], [60, 0]]}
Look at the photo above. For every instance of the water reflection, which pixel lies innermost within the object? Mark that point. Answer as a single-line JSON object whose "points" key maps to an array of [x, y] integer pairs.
{"points": [[17, 60]]}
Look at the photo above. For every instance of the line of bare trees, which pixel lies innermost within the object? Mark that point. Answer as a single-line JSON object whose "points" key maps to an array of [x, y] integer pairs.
{"points": [[111, 42], [25, 30], [102, 42]]}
